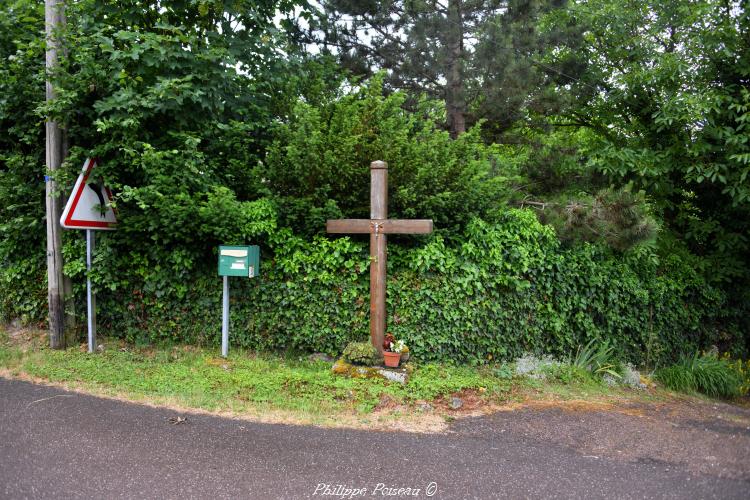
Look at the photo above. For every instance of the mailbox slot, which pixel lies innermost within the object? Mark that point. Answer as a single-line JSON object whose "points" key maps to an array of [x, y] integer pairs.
{"points": [[242, 261]]}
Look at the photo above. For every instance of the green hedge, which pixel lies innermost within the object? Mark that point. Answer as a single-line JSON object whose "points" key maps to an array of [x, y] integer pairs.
{"points": [[199, 156], [508, 288]]}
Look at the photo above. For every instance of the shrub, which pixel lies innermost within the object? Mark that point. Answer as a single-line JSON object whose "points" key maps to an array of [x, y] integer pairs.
{"points": [[361, 353], [318, 166], [619, 218], [706, 374], [677, 377]]}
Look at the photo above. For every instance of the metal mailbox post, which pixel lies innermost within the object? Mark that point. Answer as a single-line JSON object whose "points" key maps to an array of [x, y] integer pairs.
{"points": [[241, 261]]}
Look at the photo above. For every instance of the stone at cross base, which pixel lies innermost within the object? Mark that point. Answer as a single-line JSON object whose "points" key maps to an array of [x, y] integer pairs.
{"points": [[378, 226]]}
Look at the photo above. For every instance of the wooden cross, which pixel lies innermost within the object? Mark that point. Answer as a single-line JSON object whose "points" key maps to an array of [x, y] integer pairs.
{"points": [[378, 225]]}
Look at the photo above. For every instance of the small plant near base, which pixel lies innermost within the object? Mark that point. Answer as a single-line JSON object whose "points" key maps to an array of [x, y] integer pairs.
{"points": [[631, 377], [504, 371], [361, 353], [589, 363]]}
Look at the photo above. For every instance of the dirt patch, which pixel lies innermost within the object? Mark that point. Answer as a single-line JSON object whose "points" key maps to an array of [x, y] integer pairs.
{"points": [[574, 406], [472, 404], [226, 364], [389, 404], [24, 338], [705, 437]]}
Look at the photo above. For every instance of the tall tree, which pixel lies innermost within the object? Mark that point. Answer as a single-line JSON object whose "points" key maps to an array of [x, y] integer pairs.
{"points": [[476, 55], [665, 92], [175, 97]]}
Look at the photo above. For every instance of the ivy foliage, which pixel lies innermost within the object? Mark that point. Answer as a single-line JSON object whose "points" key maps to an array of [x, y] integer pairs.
{"points": [[509, 288], [22, 191]]}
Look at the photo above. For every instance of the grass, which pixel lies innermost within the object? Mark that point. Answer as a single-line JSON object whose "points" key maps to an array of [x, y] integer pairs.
{"points": [[706, 374], [287, 388]]}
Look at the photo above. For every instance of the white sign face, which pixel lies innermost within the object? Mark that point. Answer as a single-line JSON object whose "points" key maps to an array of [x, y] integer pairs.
{"points": [[90, 203]]}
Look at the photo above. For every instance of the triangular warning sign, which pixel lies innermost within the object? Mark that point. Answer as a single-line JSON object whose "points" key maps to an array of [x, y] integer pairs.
{"points": [[90, 203]]}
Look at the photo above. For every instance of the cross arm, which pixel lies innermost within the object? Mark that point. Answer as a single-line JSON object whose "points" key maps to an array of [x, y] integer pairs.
{"points": [[386, 226]]}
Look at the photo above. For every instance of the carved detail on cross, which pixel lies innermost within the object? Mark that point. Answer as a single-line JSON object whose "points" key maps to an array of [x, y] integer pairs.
{"points": [[378, 226]]}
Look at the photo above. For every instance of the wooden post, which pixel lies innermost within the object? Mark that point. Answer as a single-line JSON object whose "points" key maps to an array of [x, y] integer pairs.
{"points": [[378, 212], [55, 288]]}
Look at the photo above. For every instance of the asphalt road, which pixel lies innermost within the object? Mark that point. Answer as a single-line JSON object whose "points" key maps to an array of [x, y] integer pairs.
{"points": [[55, 444]]}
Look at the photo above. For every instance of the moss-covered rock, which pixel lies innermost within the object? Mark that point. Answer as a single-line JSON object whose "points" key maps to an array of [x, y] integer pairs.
{"points": [[400, 375]]}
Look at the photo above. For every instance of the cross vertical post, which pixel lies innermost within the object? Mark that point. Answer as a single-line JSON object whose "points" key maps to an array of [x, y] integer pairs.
{"points": [[378, 256]]}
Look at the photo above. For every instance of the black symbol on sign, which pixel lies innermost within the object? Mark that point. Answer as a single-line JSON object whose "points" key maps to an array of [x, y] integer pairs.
{"points": [[98, 189]]}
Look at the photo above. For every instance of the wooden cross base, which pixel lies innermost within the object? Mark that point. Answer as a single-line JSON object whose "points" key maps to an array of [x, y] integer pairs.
{"points": [[378, 226]]}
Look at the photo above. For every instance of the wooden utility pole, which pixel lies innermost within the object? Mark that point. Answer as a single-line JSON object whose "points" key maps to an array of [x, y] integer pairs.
{"points": [[378, 226], [54, 21]]}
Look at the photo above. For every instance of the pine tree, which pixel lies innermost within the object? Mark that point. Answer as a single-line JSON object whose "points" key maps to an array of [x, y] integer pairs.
{"points": [[479, 56]]}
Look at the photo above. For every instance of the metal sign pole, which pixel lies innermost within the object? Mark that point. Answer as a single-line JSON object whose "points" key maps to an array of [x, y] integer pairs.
{"points": [[225, 319], [90, 296]]}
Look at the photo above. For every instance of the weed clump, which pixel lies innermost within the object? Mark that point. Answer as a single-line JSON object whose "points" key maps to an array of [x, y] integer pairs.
{"points": [[536, 367], [631, 377], [598, 358]]}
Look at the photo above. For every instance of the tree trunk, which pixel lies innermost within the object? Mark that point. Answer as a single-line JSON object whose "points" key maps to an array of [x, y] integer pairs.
{"points": [[455, 101], [55, 283]]}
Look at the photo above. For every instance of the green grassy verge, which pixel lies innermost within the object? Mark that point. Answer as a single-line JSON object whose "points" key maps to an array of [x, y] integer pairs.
{"points": [[261, 384], [198, 378]]}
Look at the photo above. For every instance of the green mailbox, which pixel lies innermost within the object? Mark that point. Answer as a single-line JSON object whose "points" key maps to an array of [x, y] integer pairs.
{"points": [[234, 261], [239, 261]]}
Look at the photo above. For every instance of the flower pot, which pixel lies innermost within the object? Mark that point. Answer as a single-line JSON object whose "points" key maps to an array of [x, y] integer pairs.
{"points": [[391, 359]]}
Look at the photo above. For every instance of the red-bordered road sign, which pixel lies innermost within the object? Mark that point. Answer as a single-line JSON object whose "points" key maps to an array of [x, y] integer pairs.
{"points": [[90, 204]]}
